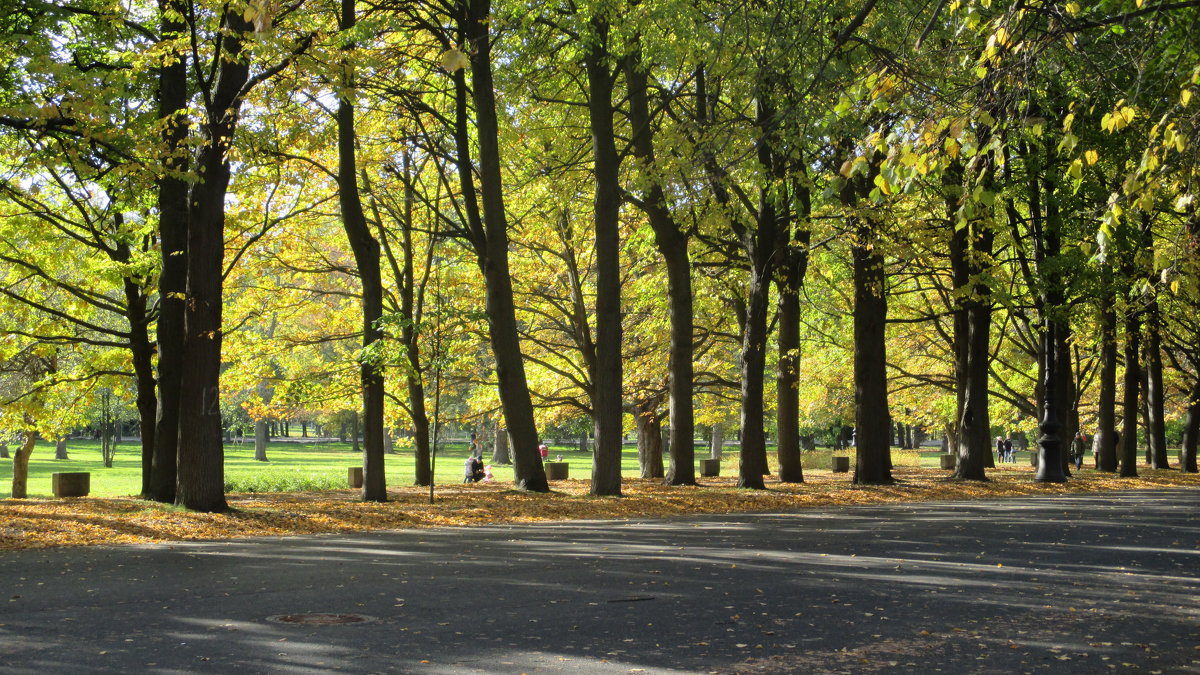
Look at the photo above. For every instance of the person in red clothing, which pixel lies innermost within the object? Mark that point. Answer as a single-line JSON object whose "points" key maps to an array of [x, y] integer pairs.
{"points": [[543, 451]]}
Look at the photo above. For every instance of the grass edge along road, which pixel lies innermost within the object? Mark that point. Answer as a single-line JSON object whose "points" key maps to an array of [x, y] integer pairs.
{"points": [[45, 523]]}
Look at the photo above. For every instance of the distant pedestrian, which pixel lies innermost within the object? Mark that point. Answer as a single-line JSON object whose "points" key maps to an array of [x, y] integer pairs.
{"points": [[999, 450], [1078, 447], [1008, 451], [543, 451]]}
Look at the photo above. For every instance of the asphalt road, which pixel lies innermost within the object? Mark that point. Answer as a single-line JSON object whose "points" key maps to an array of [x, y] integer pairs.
{"points": [[1079, 583]]}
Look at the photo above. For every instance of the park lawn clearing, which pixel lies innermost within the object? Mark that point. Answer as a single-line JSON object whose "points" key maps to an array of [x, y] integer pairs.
{"points": [[89, 521]]}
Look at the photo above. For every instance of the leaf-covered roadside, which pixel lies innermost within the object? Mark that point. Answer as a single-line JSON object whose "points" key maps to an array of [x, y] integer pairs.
{"points": [[36, 523]]}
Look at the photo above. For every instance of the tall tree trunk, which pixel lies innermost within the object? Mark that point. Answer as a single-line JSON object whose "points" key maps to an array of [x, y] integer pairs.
{"points": [[607, 378], [490, 239], [871, 417], [970, 249], [752, 461], [672, 244], [201, 462], [409, 337], [142, 357], [1106, 415], [787, 383], [60, 449], [366, 256], [354, 432], [173, 239], [1156, 429], [1128, 447], [20, 464]]}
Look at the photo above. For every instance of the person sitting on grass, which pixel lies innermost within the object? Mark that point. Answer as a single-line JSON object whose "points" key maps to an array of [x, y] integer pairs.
{"points": [[473, 470]]}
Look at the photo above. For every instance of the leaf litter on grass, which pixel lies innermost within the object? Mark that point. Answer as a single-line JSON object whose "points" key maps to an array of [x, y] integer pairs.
{"points": [[45, 523]]}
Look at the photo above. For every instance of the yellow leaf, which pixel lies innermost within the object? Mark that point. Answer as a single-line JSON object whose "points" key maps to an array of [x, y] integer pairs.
{"points": [[453, 59], [1092, 156], [1185, 97]]}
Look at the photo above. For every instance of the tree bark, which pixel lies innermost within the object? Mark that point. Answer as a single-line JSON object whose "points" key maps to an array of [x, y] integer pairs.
{"points": [[366, 256], [141, 351], [1191, 430], [173, 240], [787, 383], [489, 236], [752, 460], [672, 244], [970, 249], [201, 467], [20, 465], [60, 449], [717, 448], [260, 440], [1106, 415], [872, 426], [1128, 447], [1156, 429], [650, 441], [607, 378], [500, 454]]}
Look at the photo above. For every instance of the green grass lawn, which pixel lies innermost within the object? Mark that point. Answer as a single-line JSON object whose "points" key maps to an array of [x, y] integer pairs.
{"points": [[296, 466]]}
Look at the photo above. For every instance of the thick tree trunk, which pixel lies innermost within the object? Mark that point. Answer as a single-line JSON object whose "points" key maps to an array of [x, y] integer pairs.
{"points": [[872, 420], [1106, 415], [60, 449], [260, 440], [366, 257], [975, 436], [20, 465], [490, 238], [354, 432], [1191, 430], [173, 239], [650, 439], [1128, 447], [717, 446], [4, 454], [607, 378], [752, 462], [500, 454]]}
